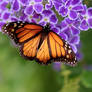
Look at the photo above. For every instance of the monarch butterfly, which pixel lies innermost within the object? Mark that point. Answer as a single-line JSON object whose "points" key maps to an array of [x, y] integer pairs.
{"points": [[39, 43]]}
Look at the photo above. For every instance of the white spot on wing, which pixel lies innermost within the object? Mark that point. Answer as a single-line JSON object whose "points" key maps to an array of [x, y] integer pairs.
{"points": [[69, 51]]}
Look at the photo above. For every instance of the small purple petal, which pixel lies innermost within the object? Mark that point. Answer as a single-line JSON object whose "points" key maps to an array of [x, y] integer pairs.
{"points": [[29, 10], [23, 17], [24, 1], [58, 25], [78, 8], [79, 56], [48, 6], [73, 15], [28, 20], [75, 30], [74, 2], [6, 15], [68, 3], [38, 8], [13, 19], [75, 40], [83, 12], [3, 5], [47, 12], [33, 21], [84, 25], [16, 5], [1, 0], [68, 21], [0, 14], [63, 11], [64, 36], [81, 17], [76, 23], [67, 31], [74, 48], [38, 0], [58, 1], [79, 46], [1, 25], [52, 25], [90, 22], [43, 23], [64, 1], [90, 12], [53, 18], [56, 30], [37, 16], [63, 24], [57, 5]]}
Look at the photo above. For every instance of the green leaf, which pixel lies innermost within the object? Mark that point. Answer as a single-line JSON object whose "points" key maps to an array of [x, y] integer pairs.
{"points": [[8, 6], [88, 3], [71, 85], [86, 78], [86, 38]]}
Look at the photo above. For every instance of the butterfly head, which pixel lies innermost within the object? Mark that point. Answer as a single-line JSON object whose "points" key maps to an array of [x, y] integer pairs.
{"points": [[47, 27]]}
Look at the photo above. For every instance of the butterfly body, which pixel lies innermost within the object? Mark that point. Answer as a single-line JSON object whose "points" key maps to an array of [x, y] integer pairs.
{"points": [[40, 43]]}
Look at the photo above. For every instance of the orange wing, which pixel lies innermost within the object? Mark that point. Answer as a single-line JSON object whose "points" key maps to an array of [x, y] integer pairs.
{"points": [[29, 49], [56, 45], [42, 46], [22, 32], [61, 50], [43, 55], [55, 48]]}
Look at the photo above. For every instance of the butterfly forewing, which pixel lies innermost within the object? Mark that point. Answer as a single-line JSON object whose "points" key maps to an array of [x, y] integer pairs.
{"points": [[21, 31]]}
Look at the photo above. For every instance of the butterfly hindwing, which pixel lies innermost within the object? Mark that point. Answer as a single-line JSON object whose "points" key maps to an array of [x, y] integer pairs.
{"points": [[43, 54], [56, 45], [29, 49], [61, 50]]}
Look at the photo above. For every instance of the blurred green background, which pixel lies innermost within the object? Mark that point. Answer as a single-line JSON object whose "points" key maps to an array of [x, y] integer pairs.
{"points": [[19, 75]]}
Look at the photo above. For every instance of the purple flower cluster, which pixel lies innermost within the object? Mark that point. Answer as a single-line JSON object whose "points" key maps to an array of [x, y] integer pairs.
{"points": [[75, 16]]}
